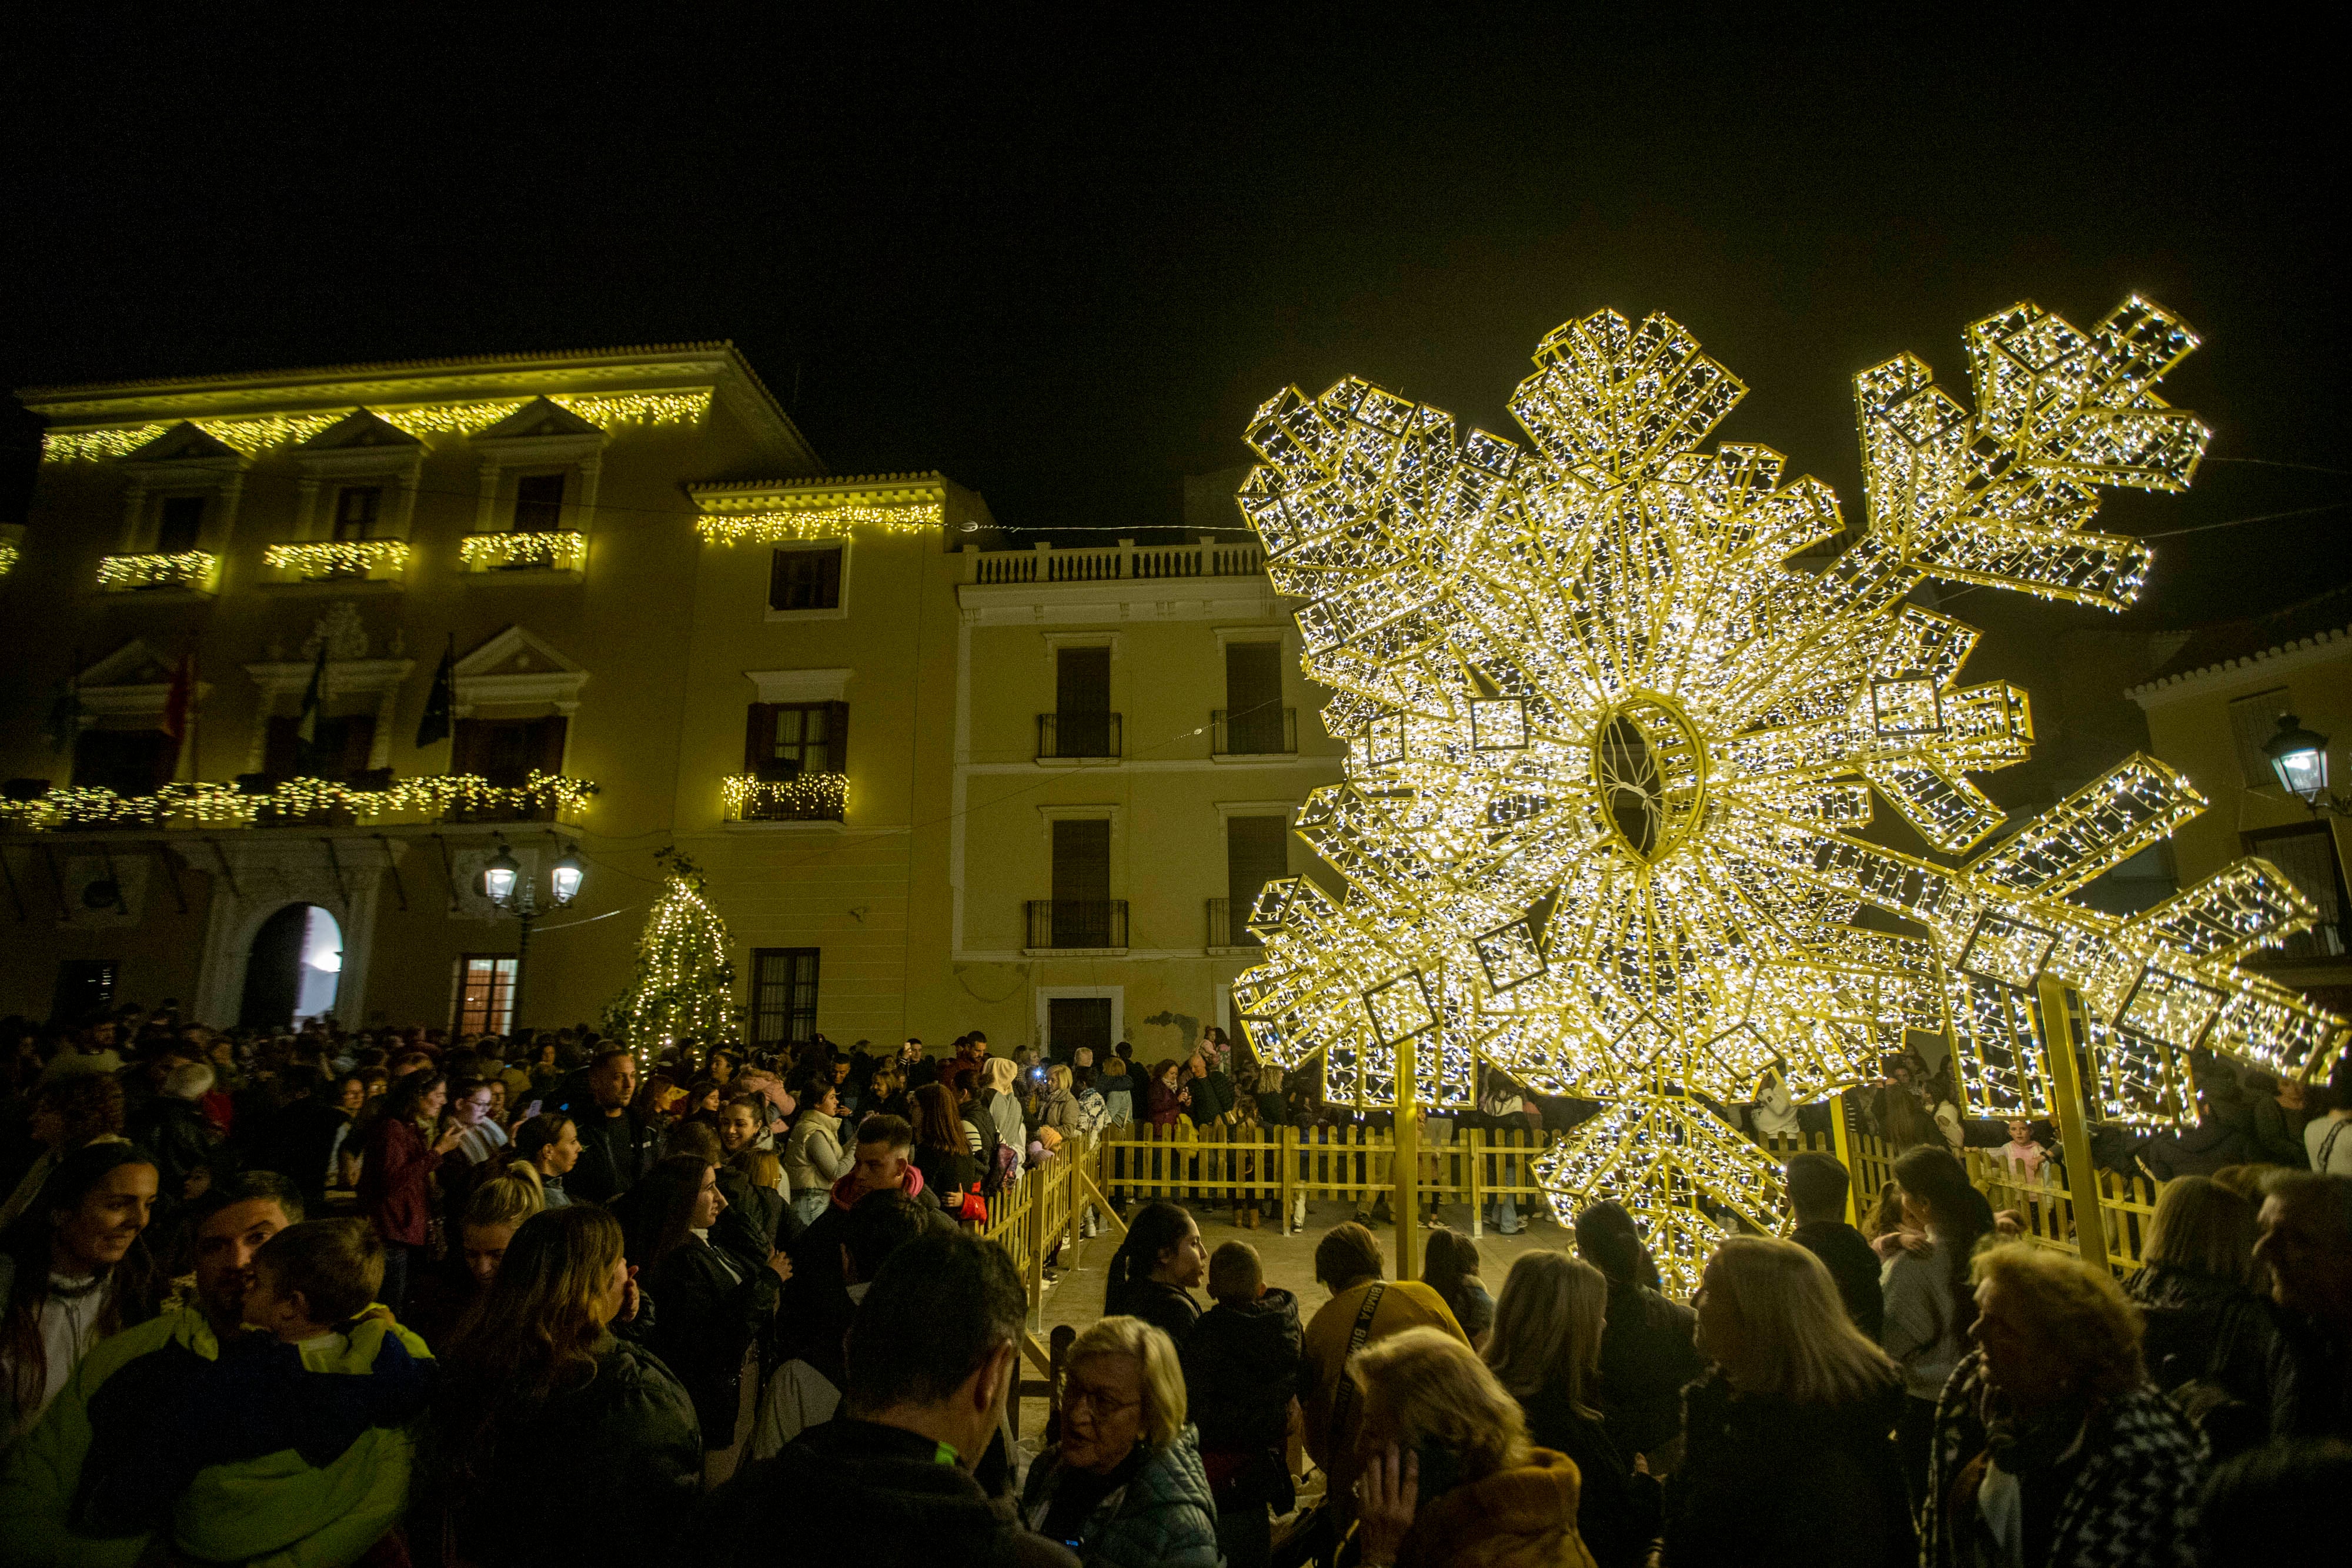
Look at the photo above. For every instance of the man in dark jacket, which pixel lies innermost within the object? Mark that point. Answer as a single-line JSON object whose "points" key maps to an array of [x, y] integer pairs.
{"points": [[2306, 1240], [1646, 1350], [617, 1144], [889, 1480], [298, 1137], [1818, 1185], [1240, 1378], [818, 1308]]}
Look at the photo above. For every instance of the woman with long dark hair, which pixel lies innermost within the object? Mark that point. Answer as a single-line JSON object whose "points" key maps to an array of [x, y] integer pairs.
{"points": [[552, 1443], [72, 1271], [711, 1298], [941, 1152], [1929, 1302], [1152, 1272], [395, 1193], [1450, 1266]]}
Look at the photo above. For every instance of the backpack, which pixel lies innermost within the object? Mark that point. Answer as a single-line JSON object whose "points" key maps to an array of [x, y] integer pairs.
{"points": [[995, 1157]]}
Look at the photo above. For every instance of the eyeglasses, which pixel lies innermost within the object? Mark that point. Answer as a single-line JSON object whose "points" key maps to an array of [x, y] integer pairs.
{"points": [[1097, 1400]]}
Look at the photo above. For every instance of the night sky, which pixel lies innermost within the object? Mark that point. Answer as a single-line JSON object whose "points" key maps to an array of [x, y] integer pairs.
{"points": [[1064, 262]]}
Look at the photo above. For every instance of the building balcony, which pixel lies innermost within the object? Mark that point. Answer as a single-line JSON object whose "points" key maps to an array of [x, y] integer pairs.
{"points": [[1224, 935], [1079, 737], [804, 798], [1253, 733], [185, 572], [258, 800], [1126, 562], [340, 563], [12, 546], [558, 555], [1070, 926]]}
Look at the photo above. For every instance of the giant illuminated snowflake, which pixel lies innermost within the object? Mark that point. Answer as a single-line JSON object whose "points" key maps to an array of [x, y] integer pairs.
{"points": [[1612, 758]]}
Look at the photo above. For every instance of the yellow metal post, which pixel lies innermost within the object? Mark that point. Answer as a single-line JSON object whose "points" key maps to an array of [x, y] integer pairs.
{"points": [[2074, 1124], [1407, 1168], [1841, 1142], [1286, 1140]]}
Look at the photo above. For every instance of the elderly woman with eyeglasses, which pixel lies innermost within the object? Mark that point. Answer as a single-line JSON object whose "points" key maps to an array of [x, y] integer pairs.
{"points": [[1124, 1488]]}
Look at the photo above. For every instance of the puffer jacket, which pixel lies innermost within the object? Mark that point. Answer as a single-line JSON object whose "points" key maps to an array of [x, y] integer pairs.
{"points": [[1519, 1518], [1770, 1484], [1241, 1372], [1163, 1518], [813, 1159]]}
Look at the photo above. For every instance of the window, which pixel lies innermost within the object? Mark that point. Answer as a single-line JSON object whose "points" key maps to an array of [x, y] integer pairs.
{"points": [[784, 740], [339, 748], [2306, 853], [1257, 851], [538, 504], [85, 985], [507, 751], [356, 510], [178, 524], [1082, 702], [127, 761], [1082, 912], [1254, 713], [2253, 721], [783, 995], [484, 994], [805, 578]]}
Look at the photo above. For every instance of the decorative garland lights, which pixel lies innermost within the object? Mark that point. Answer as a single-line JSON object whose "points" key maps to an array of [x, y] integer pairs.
{"points": [[9, 556], [1608, 758], [807, 797], [130, 573], [339, 558], [254, 433], [562, 552], [213, 805], [817, 522]]}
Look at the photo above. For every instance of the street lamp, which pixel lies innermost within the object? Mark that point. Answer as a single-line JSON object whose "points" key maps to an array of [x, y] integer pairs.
{"points": [[2299, 758], [516, 894]]}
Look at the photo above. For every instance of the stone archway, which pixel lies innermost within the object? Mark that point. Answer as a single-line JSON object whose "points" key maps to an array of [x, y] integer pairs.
{"points": [[255, 879]]}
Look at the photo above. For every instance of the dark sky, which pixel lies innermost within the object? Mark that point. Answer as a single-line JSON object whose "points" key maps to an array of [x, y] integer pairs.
{"points": [[1064, 262]]}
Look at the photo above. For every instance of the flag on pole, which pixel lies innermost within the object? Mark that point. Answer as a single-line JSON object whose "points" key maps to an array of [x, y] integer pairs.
{"points": [[434, 726], [306, 731], [180, 697]]}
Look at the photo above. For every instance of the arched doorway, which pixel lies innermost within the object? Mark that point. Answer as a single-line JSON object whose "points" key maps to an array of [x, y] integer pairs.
{"points": [[295, 968]]}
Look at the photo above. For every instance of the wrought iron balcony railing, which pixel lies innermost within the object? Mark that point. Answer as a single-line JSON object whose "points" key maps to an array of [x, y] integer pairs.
{"points": [[325, 561], [189, 570], [1091, 737], [806, 797], [550, 551], [1224, 931], [1253, 732], [1084, 925]]}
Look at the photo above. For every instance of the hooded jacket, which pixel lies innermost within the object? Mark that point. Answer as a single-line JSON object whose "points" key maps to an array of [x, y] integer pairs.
{"points": [[1241, 1373], [853, 1492], [1162, 1518], [812, 1153], [80, 1492], [1766, 1481], [1519, 1518]]}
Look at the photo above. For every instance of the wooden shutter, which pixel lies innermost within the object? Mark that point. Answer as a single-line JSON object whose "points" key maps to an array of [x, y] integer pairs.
{"points": [[827, 594], [836, 738], [359, 744], [1257, 851], [758, 738], [281, 747], [470, 748], [1082, 681], [547, 742], [1081, 860]]}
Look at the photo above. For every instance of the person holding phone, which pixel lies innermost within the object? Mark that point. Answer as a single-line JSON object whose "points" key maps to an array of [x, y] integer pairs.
{"points": [[1449, 1475]]}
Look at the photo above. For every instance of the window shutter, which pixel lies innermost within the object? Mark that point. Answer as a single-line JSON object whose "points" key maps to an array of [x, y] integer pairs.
{"points": [[1257, 851], [828, 579], [836, 738], [547, 742], [758, 738], [779, 580], [281, 749], [468, 748], [1082, 681], [1081, 860], [358, 744]]}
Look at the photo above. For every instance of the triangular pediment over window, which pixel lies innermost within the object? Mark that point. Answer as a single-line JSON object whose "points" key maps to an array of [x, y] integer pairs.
{"points": [[518, 667], [184, 442], [358, 430], [133, 664], [537, 419]]}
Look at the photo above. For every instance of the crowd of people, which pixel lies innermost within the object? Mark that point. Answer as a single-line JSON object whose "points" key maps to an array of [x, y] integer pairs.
{"points": [[390, 1297]]}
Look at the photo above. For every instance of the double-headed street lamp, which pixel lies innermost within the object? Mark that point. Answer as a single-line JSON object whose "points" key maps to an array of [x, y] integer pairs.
{"points": [[510, 889], [2299, 758]]}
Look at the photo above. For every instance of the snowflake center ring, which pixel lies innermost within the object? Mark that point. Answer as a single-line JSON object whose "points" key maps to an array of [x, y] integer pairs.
{"points": [[1649, 776]]}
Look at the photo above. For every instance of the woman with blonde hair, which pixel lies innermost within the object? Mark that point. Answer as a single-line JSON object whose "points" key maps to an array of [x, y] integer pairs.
{"points": [[2205, 1324], [1449, 1475], [1545, 1350], [1124, 1487], [1000, 1101], [2050, 1447], [1786, 1456]]}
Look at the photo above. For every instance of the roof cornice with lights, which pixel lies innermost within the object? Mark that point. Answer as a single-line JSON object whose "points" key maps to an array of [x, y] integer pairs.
{"points": [[2320, 646]]}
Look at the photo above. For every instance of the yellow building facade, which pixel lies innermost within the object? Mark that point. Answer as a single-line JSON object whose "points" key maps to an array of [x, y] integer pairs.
{"points": [[936, 784], [2210, 709]]}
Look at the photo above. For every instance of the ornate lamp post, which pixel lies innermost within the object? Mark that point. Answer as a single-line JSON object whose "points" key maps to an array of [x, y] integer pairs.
{"points": [[2299, 758], [510, 891]]}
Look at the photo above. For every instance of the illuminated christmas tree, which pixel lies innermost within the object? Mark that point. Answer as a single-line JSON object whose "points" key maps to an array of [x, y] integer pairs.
{"points": [[1612, 752], [683, 985]]}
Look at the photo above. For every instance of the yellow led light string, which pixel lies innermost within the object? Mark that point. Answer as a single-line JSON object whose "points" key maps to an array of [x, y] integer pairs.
{"points": [[1606, 751]]}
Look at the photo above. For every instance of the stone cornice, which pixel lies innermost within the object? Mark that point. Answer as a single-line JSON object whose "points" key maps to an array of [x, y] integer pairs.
{"points": [[2317, 648]]}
